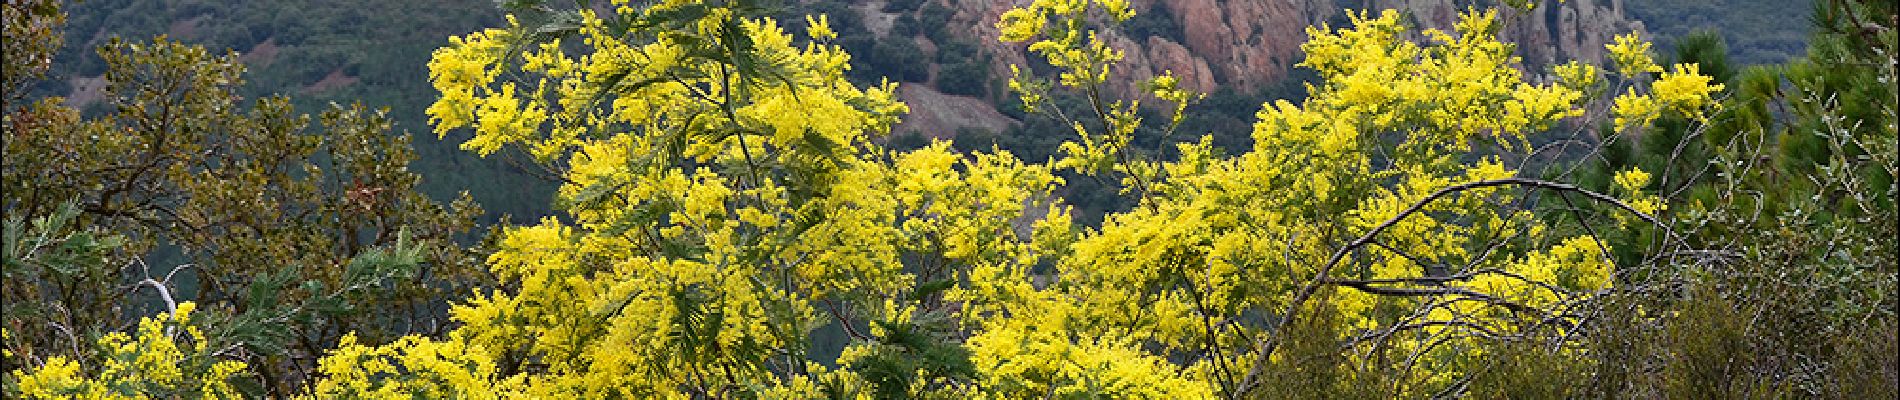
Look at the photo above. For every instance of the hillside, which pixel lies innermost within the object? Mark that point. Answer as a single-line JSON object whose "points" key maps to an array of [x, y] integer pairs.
{"points": [[1757, 32], [319, 52], [944, 52]]}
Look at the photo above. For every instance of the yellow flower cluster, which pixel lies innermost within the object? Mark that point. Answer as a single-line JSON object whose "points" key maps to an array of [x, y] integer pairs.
{"points": [[1578, 76], [150, 365], [1082, 55], [1036, 362], [1631, 184], [460, 72], [1686, 91], [411, 367], [1633, 109], [1683, 91], [1631, 55], [1168, 88], [1452, 92], [819, 28], [1543, 279]]}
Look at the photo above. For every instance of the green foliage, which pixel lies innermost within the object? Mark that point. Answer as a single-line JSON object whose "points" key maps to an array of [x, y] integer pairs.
{"points": [[933, 20], [1529, 371], [1711, 351], [374, 49], [50, 258], [955, 52], [906, 356], [962, 69], [171, 357], [907, 141], [30, 45], [1309, 364], [240, 207], [905, 27], [901, 58], [903, 6], [1791, 188], [968, 78]]}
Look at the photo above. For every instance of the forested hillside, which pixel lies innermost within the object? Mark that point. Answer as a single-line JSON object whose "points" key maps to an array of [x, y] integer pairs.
{"points": [[924, 199], [319, 52], [1758, 32]]}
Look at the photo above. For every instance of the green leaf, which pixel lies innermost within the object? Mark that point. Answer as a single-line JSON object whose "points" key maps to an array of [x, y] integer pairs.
{"points": [[930, 288]]}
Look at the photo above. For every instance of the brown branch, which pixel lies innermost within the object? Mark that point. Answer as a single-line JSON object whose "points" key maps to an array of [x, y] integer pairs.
{"points": [[844, 322], [1433, 291]]}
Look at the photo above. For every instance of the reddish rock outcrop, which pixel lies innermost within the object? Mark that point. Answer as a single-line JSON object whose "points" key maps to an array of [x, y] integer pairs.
{"points": [[1247, 44], [1250, 44]]}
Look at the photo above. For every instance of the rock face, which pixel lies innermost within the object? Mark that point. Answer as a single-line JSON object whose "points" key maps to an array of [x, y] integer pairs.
{"points": [[1549, 33], [1249, 44], [937, 115], [975, 20], [1159, 55]]}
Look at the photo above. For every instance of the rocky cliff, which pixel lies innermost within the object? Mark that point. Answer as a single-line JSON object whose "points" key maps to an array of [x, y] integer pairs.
{"points": [[1243, 43], [1250, 44]]}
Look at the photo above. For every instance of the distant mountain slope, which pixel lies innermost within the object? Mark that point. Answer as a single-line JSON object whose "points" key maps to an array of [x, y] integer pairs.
{"points": [[319, 51], [1757, 31]]}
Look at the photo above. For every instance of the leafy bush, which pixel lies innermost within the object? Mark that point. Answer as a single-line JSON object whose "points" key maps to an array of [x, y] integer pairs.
{"points": [[181, 191], [969, 78], [900, 59]]}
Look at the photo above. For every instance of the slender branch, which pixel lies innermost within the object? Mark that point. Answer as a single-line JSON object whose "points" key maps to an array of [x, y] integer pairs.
{"points": [[1320, 278], [845, 322], [1432, 291], [165, 294], [1574, 212]]}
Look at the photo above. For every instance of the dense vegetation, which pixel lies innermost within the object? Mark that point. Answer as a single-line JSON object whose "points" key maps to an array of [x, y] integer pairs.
{"points": [[1425, 219], [321, 52]]}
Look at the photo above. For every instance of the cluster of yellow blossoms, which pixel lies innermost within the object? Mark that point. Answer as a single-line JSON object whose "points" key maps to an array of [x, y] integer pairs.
{"points": [[153, 364], [1682, 90]]}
